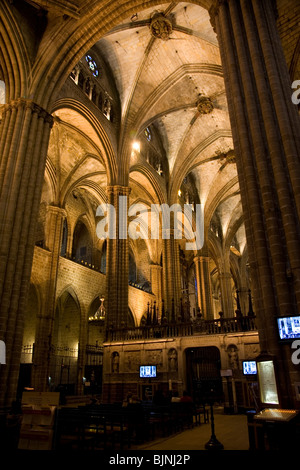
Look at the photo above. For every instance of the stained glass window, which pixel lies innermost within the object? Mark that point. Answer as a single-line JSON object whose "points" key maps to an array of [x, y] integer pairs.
{"points": [[92, 65], [148, 134]]}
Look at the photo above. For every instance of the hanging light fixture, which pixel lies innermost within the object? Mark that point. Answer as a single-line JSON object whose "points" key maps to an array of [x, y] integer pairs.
{"points": [[100, 312]]}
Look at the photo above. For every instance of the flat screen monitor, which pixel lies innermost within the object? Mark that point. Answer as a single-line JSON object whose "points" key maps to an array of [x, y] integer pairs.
{"points": [[249, 368], [147, 371], [289, 327]]}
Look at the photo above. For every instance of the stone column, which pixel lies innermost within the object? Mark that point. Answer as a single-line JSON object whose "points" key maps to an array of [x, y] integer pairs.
{"points": [[243, 293], [117, 260], [171, 274], [82, 343], [204, 294], [24, 136], [156, 284], [226, 294], [266, 132], [54, 230]]}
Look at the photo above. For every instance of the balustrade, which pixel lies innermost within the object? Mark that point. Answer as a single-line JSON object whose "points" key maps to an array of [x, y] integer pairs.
{"points": [[198, 327]]}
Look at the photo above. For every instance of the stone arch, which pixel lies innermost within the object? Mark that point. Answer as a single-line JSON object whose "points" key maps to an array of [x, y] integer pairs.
{"points": [[191, 161], [66, 330], [14, 57], [96, 330], [82, 245], [106, 150], [69, 289]]}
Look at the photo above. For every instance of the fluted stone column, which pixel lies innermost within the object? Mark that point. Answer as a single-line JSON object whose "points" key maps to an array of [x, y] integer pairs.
{"points": [[266, 133], [24, 136], [54, 230], [117, 261], [204, 294]]}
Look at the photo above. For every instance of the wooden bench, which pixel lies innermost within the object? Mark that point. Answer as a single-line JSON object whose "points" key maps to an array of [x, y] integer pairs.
{"points": [[92, 428]]}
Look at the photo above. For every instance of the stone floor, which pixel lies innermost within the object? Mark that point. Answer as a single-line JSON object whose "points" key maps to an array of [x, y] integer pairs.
{"points": [[230, 430]]}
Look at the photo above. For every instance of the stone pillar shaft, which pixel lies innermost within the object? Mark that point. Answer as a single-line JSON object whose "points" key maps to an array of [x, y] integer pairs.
{"points": [[54, 229], [171, 274], [204, 294], [265, 129], [254, 224], [226, 294], [117, 263], [24, 136], [276, 162], [156, 284]]}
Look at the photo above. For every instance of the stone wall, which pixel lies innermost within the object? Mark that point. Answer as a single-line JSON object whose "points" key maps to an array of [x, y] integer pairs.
{"points": [[288, 27], [121, 363], [82, 283]]}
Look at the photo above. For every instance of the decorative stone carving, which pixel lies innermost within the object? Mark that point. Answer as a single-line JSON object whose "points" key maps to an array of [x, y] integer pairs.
{"points": [[233, 356], [107, 108], [154, 357], [229, 156], [251, 351], [172, 359], [204, 105], [115, 359], [160, 27], [132, 361]]}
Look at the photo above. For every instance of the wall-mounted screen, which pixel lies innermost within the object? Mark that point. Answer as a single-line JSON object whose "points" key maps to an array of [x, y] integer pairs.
{"points": [[249, 368], [289, 327], [147, 371]]}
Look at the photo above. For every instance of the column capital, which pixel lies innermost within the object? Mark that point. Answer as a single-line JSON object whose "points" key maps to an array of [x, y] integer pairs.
{"points": [[57, 210], [214, 10], [225, 275], [118, 190], [201, 259], [156, 266], [29, 104]]}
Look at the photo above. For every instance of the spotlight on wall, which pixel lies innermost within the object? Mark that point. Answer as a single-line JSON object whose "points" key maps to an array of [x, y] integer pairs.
{"points": [[136, 146]]}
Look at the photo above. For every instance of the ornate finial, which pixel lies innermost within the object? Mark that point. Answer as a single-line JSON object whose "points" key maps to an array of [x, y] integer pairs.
{"points": [[160, 26]]}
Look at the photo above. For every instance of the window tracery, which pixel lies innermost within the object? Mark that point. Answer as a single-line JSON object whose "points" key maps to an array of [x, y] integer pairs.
{"points": [[92, 65], [86, 76]]}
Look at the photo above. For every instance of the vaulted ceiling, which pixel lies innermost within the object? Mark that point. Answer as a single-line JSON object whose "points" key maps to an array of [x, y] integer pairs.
{"points": [[167, 69]]}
